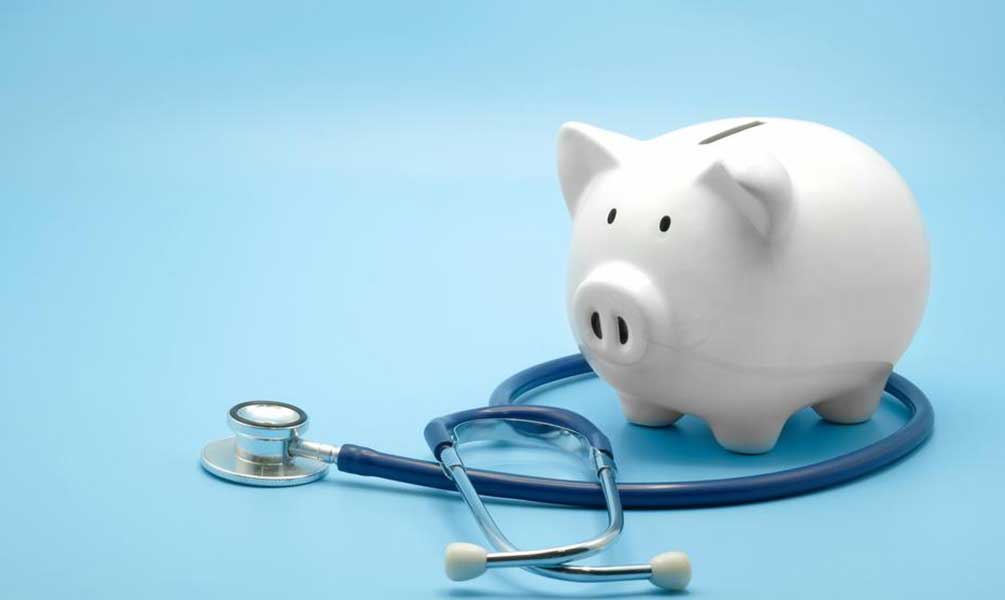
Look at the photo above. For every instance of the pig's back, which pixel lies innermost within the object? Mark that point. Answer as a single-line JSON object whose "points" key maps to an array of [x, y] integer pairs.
{"points": [[848, 281]]}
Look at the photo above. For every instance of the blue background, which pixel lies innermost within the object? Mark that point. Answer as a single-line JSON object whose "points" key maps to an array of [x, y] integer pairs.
{"points": [[355, 209]]}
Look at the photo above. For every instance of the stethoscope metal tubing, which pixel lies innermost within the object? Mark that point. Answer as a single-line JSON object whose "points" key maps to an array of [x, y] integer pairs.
{"points": [[551, 562], [508, 555]]}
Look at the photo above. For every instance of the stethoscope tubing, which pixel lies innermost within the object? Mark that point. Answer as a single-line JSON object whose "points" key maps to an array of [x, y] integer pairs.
{"points": [[364, 461]]}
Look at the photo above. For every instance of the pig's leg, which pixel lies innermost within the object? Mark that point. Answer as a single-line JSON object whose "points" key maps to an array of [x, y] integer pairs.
{"points": [[645, 413], [754, 435], [856, 405]]}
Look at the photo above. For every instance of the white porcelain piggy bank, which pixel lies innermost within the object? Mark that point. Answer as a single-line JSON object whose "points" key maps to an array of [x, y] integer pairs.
{"points": [[740, 270]]}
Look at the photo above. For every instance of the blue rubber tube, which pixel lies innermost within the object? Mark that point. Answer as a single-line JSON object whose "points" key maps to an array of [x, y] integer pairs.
{"points": [[654, 495]]}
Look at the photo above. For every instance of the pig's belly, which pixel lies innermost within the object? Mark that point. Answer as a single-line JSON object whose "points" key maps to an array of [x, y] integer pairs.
{"points": [[712, 389]]}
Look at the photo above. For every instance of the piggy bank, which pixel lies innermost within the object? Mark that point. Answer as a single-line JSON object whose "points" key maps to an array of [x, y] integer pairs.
{"points": [[740, 270]]}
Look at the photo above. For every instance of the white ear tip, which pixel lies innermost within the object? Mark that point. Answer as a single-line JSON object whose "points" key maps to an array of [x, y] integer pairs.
{"points": [[671, 570], [465, 561]]}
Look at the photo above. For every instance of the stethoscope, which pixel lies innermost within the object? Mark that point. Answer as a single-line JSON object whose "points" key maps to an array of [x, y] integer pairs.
{"points": [[269, 450]]}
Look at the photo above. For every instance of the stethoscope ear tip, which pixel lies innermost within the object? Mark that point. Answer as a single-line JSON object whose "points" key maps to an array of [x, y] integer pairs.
{"points": [[465, 561], [671, 570]]}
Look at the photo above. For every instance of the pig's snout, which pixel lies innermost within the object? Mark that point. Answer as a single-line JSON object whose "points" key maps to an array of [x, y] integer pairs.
{"points": [[613, 311]]}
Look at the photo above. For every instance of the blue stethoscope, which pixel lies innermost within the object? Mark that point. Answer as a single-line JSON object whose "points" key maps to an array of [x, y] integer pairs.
{"points": [[268, 450]]}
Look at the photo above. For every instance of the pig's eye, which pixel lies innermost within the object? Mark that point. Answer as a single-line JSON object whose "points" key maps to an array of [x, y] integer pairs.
{"points": [[611, 215], [665, 223]]}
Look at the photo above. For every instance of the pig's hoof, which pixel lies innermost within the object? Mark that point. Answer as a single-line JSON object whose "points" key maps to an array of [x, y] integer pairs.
{"points": [[748, 437], [852, 407], [857, 405], [647, 413]]}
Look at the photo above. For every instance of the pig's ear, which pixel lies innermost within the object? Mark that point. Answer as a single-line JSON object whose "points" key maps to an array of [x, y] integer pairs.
{"points": [[757, 185], [584, 152]]}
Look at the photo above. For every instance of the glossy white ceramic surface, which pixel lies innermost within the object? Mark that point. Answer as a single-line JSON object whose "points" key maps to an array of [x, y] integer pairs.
{"points": [[739, 270]]}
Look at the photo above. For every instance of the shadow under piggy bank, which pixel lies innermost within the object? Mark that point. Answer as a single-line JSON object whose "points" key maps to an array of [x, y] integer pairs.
{"points": [[688, 451]]}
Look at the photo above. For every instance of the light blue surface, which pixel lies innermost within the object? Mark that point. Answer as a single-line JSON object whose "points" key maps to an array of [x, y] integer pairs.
{"points": [[356, 211]]}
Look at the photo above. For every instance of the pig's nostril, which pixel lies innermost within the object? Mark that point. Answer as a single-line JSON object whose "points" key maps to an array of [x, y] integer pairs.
{"points": [[595, 325], [622, 331]]}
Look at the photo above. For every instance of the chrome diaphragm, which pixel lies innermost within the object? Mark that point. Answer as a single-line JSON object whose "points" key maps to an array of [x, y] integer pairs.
{"points": [[262, 451]]}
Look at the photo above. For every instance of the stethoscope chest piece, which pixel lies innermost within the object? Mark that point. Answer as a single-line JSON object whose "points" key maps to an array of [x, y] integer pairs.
{"points": [[260, 452]]}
